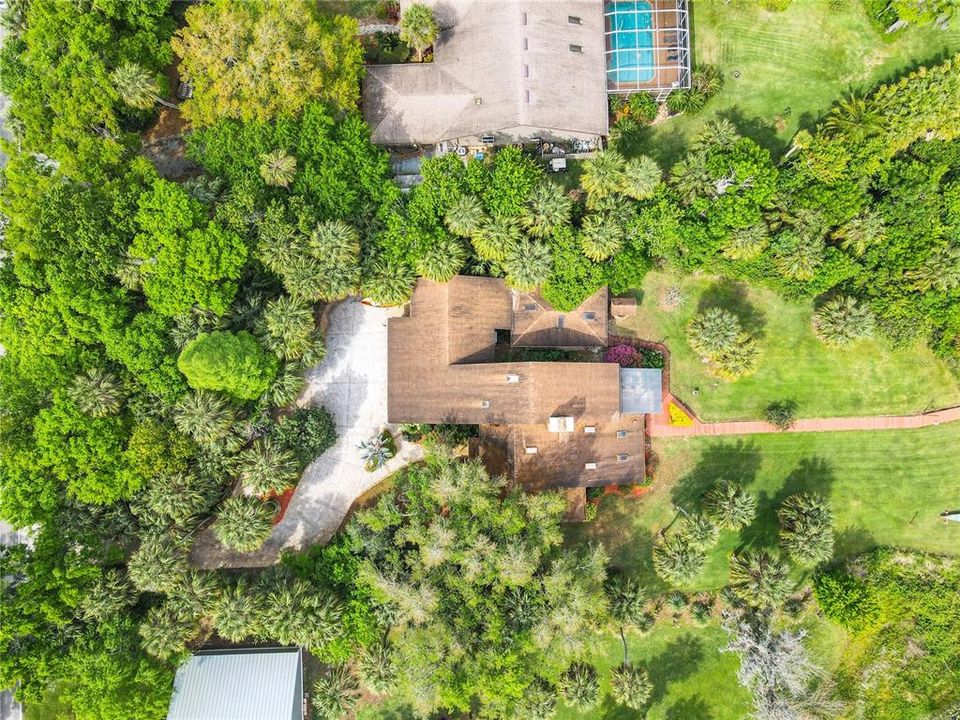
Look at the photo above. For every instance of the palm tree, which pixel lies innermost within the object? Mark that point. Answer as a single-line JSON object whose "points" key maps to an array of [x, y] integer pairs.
{"points": [[843, 320], [747, 243], [418, 28], [603, 174], [806, 528], [335, 693], [159, 564], [547, 209], [600, 237], [692, 178], [580, 686], [288, 324], [195, 595], [759, 578], [297, 614], [497, 238], [529, 265], [641, 177], [107, 597], [377, 667], [731, 506], [244, 523], [164, 633], [630, 686], [137, 86], [737, 361], [204, 416], [940, 271], [713, 331], [268, 467], [389, 283], [442, 258], [863, 232], [718, 133], [97, 393], [676, 560], [466, 216], [626, 597], [309, 279], [236, 614], [179, 498], [336, 243], [700, 531], [798, 256], [539, 701], [277, 168], [855, 118], [708, 80]]}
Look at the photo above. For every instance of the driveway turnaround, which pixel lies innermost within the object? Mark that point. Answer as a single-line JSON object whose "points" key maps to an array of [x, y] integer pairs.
{"points": [[351, 383]]}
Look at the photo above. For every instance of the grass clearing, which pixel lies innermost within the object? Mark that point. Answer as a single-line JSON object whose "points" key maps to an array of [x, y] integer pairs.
{"points": [[870, 378], [792, 67], [885, 487]]}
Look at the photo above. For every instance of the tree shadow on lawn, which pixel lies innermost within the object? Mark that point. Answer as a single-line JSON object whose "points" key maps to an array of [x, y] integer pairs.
{"points": [[732, 295], [813, 475], [692, 708], [761, 131], [852, 541], [736, 461]]}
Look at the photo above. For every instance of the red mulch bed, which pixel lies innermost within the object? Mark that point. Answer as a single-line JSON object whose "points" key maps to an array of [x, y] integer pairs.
{"points": [[284, 500]]}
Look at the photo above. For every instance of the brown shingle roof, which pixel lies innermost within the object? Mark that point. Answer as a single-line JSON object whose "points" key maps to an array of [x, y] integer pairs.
{"points": [[537, 324]]}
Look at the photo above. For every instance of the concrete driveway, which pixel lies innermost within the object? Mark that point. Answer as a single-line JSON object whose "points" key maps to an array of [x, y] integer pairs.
{"points": [[351, 383]]}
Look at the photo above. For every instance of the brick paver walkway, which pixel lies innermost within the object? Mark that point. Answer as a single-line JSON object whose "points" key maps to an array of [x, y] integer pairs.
{"points": [[883, 422]]}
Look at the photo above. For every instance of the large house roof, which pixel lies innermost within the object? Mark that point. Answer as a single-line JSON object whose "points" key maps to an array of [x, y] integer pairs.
{"points": [[498, 65]]}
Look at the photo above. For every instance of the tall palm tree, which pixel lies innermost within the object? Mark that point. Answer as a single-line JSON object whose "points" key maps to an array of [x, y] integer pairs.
{"points": [[288, 325], [630, 686], [713, 331], [718, 133], [180, 499], [641, 177], [798, 256], [691, 177], [388, 283], [335, 242], [747, 243], [204, 416], [244, 523], [528, 265], [97, 393], [442, 258], [107, 597], [195, 595], [580, 686], [418, 28], [627, 599], [377, 667], [335, 693], [707, 79], [863, 232], [268, 467], [137, 86], [466, 216], [539, 702], [855, 118], [736, 361], [236, 614], [164, 633], [806, 528], [603, 174], [676, 560], [288, 384], [296, 614], [309, 279], [842, 321], [759, 578], [601, 237], [731, 505], [940, 271], [159, 564], [277, 168], [547, 209], [700, 531]]}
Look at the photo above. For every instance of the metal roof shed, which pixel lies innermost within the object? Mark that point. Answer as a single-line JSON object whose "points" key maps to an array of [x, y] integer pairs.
{"points": [[244, 684], [641, 391]]}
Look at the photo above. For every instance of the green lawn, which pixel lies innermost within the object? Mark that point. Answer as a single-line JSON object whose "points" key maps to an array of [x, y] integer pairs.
{"points": [[870, 378], [792, 66], [885, 487]]}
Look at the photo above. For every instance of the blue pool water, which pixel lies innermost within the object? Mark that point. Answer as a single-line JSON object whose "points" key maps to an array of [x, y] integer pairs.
{"points": [[630, 42]]}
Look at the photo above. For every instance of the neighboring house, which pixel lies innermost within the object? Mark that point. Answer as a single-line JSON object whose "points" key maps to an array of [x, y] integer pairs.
{"points": [[244, 684], [569, 424], [508, 69]]}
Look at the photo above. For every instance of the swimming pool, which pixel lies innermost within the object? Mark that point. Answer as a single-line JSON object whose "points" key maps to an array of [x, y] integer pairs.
{"points": [[630, 56]]}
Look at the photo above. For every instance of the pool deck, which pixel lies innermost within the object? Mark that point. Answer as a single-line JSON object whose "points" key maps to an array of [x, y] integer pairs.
{"points": [[670, 51]]}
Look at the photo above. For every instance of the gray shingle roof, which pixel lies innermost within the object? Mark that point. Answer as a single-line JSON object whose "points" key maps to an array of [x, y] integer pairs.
{"points": [[251, 684]]}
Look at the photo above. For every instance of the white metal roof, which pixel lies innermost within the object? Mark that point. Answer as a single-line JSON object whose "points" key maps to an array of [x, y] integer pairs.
{"points": [[247, 684], [641, 391]]}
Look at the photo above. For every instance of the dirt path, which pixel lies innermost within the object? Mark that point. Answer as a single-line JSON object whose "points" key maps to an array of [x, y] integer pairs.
{"points": [[883, 422]]}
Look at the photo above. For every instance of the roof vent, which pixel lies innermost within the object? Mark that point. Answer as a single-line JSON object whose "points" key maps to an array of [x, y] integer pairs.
{"points": [[530, 307], [622, 457], [478, 100], [589, 315], [590, 429], [576, 49], [484, 404], [560, 423], [573, 19], [513, 378], [531, 450], [621, 433], [590, 466], [560, 319]]}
